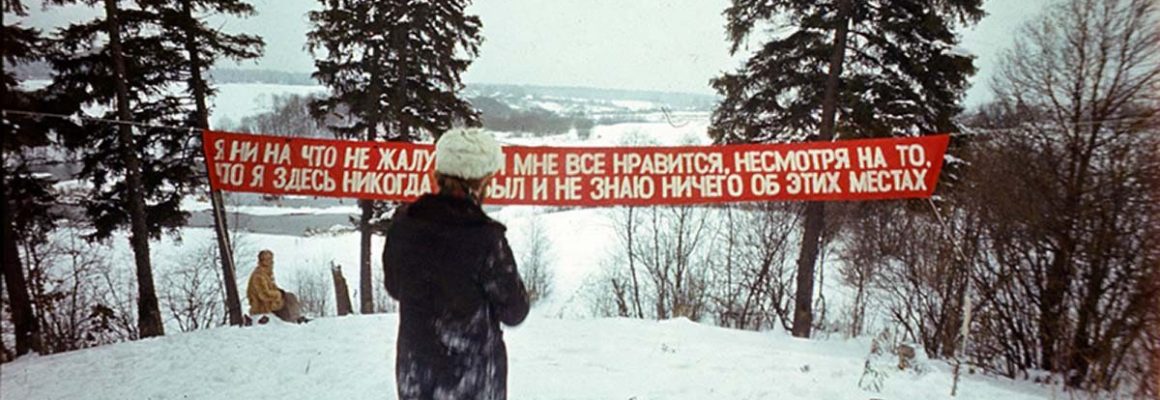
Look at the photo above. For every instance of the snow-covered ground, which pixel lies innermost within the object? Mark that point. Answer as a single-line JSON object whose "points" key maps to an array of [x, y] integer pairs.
{"points": [[190, 204], [353, 358]]}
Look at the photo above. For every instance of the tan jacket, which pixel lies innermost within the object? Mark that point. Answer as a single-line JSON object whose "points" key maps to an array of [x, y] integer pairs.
{"points": [[263, 292]]}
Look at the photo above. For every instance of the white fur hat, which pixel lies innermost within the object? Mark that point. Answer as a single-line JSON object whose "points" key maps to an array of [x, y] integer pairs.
{"points": [[468, 153]]}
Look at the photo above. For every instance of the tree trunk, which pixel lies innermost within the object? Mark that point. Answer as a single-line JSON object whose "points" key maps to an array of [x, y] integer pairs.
{"points": [[1058, 279], [366, 280], [148, 312], [23, 320], [1082, 349], [225, 251], [632, 265], [803, 316], [366, 295], [1051, 323]]}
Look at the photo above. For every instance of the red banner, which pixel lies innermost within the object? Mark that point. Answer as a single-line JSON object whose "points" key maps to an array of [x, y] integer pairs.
{"points": [[587, 176]]}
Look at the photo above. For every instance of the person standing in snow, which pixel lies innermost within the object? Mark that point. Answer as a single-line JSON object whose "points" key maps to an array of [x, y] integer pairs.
{"points": [[265, 296], [451, 269]]}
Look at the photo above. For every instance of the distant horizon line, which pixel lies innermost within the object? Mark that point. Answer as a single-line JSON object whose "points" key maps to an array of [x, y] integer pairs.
{"points": [[306, 75], [41, 71]]}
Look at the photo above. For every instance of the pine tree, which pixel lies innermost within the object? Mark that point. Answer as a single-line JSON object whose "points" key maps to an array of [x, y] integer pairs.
{"points": [[141, 167], [181, 23], [889, 70], [27, 216], [393, 68]]}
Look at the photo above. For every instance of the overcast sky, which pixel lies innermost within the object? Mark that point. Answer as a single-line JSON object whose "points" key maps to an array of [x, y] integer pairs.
{"points": [[666, 45]]}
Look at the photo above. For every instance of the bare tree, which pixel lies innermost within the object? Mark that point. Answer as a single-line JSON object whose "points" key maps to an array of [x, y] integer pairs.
{"points": [[1073, 217], [626, 224], [383, 302], [665, 262], [536, 260], [669, 256], [907, 260], [313, 288], [609, 294], [731, 264], [287, 115], [193, 291], [79, 299], [753, 275], [858, 270], [726, 292]]}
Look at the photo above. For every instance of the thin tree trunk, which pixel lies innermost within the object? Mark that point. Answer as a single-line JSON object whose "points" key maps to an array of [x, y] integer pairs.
{"points": [[660, 269], [632, 265], [1058, 278], [803, 316], [1082, 347], [366, 296], [23, 319], [1050, 305], [225, 251], [366, 280], [148, 312]]}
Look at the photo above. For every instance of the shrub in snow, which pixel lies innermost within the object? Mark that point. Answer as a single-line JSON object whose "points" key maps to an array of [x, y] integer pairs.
{"points": [[536, 261]]}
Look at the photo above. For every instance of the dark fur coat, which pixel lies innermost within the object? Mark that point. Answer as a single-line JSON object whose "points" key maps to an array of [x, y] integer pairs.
{"points": [[452, 271]]}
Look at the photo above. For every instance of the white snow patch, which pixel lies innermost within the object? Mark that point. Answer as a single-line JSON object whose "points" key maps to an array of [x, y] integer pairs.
{"points": [[191, 204], [548, 106], [353, 357], [235, 101], [634, 105]]}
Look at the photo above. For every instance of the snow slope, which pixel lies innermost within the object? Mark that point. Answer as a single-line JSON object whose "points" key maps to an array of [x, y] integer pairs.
{"points": [[353, 358]]}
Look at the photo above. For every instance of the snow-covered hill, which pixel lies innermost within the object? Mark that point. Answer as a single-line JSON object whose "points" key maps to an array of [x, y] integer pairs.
{"points": [[353, 358], [236, 100]]}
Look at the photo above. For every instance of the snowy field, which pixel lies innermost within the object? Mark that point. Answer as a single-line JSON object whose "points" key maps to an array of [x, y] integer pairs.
{"points": [[353, 358], [563, 351], [235, 101]]}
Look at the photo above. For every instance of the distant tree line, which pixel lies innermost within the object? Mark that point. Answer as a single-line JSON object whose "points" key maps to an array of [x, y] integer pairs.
{"points": [[290, 114], [680, 101], [497, 116]]}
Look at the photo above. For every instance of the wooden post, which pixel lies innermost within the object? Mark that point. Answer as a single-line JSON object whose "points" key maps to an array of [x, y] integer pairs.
{"points": [[341, 293]]}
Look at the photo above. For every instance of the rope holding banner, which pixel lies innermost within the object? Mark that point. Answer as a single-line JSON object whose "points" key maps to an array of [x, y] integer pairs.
{"points": [[76, 118]]}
